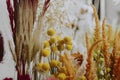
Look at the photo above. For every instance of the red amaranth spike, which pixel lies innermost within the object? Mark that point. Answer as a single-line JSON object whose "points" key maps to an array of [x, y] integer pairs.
{"points": [[1, 48]]}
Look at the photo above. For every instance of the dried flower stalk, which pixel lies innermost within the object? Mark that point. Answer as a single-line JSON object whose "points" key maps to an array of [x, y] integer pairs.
{"points": [[97, 28], [105, 46], [91, 70], [87, 41], [70, 69]]}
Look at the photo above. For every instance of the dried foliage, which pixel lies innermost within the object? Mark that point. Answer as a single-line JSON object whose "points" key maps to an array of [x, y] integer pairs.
{"points": [[27, 41], [102, 63]]}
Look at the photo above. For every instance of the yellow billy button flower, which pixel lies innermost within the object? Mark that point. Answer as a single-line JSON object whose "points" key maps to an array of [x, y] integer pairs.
{"points": [[57, 37], [83, 78], [54, 48], [70, 43], [45, 67], [51, 32], [46, 44], [38, 66], [54, 63], [61, 42], [61, 76], [46, 52], [60, 47], [67, 39], [108, 69], [69, 47], [53, 40]]}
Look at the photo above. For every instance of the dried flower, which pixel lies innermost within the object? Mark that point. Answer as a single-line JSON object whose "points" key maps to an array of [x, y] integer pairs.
{"points": [[54, 48], [60, 47], [1, 48], [53, 40], [38, 66], [8, 79], [105, 46], [60, 41], [46, 52], [69, 47], [51, 32], [46, 44], [45, 67], [97, 28], [54, 63], [67, 39], [61, 76], [83, 78]]}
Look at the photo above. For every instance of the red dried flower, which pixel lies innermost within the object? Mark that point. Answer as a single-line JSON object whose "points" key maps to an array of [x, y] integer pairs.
{"points": [[1, 48], [24, 77], [11, 15], [8, 79]]}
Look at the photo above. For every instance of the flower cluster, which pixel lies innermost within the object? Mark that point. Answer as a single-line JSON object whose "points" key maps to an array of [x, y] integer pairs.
{"points": [[56, 49]]}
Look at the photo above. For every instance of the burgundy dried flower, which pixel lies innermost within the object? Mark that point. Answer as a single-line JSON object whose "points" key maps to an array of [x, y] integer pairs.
{"points": [[8, 79], [24, 77], [11, 15], [1, 48]]}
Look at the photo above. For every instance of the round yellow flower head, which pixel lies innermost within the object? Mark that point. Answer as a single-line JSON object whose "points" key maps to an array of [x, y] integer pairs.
{"points": [[46, 52], [67, 39], [54, 63], [69, 47], [60, 47], [54, 48], [46, 44], [61, 76], [57, 37], [51, 32], [83, 78], [38, 66], [45, 67], [61, 42], [53, 40], [108, 69], [70, 43]]}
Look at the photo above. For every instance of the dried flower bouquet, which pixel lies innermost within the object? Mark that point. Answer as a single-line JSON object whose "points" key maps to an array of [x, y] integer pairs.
{"points": [[53, 59]]}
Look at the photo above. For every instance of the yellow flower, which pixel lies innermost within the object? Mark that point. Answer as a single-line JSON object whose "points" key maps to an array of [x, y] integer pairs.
{"points": [[57, 37], [51, 32], [60, 47], [70, 42], [69, 47], [54, 48], [38, 66], [108, 69], [53, 40], [54, 63], [83, 78], [46, 52], [45, 67], [61, 76], [61, 42], [67, 39], [46, 44]]}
